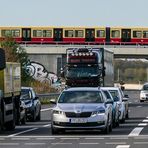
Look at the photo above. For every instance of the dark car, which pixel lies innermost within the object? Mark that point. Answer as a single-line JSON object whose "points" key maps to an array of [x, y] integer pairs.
{"points": [[32, 103]]}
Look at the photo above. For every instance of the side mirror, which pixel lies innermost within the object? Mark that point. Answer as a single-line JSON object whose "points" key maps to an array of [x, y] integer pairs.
{"points": [[36, 98], [53, 101], [2, 59], [109, 101], [126, 96], [125, 99], [62, 73]]}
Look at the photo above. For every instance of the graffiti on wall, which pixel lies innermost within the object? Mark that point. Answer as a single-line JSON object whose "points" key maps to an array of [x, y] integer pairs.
{"points": [[39, 72]]}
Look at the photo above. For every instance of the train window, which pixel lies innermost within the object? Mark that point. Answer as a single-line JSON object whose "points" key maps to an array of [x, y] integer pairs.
{"points": [[79, 33], [15, 33], [115, 33], [145, 34], [100, 33], [6, 33], [37, 33], [137, 34], [47, 33], [69, 33]]}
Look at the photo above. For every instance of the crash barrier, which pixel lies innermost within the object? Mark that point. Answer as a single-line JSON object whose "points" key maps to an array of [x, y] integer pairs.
{"points": [[45, 98]]}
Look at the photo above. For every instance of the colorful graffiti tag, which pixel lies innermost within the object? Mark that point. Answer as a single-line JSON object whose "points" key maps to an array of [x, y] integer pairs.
{"points": [[39, 72]]}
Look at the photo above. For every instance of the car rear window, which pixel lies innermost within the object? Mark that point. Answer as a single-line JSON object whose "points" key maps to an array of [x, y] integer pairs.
{"points": [[81, 97]]}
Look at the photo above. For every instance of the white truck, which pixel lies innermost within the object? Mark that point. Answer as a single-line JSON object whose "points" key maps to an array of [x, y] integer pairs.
{"points": [[89, 67], [10, 89]]}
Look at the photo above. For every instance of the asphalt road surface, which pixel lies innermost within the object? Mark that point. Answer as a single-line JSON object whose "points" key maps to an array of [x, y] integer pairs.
{"points": [[131, 134]]}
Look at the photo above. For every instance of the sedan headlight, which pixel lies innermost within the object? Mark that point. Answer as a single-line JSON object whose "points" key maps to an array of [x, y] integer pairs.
{"points": [[28, 105], [142, 94], [94, 113], [58, 112]]}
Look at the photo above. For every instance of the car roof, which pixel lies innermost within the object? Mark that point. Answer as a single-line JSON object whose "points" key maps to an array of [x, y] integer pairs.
{"points": [[24, 87], [110, 88], [82, 89]]}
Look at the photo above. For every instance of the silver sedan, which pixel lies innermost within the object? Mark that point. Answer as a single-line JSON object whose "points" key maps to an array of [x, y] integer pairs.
{"points": [[81, 108]]}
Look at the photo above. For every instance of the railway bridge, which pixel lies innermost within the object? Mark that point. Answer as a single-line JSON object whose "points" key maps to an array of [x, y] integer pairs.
{"points": [[50, 58]]}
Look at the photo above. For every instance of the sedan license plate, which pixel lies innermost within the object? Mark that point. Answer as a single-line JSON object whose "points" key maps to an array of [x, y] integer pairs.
{"points": [[78, 120]]}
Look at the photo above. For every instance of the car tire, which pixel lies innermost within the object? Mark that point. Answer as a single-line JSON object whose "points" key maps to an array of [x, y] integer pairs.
{"points": [[54, 131], [107, 128], [23, 121], [38, 118], [141, 100], [34, 116]]}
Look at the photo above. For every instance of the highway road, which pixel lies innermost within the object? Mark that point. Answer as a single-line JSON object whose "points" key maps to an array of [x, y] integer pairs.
{"points": [[131, 134]]}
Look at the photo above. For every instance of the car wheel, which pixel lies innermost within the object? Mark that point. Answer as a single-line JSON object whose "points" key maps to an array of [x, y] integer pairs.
{"points": [[107, 129], [127, 115], [38, 118], [34, 116], [23, 121], [54, 131], [123, 119]]}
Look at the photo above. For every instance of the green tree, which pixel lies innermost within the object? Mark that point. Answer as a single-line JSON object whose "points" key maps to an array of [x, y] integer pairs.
{"points": [[15, 53]]}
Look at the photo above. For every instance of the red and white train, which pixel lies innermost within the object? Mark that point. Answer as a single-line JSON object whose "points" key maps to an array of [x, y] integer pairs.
{"points": [[77, 35]]}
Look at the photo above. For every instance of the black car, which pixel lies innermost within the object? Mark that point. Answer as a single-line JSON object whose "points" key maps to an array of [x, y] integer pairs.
{"points": [[32, 103]]}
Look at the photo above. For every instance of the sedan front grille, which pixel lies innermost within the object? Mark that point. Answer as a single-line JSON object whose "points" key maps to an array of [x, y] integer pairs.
{"points": [[78, 115]]}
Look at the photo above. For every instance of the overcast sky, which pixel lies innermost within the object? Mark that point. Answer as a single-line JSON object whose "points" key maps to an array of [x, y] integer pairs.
{"points": [[74, 13]]}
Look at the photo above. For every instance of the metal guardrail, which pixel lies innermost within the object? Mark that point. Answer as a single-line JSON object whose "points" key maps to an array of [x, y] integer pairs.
{"points": [[45, 98]]}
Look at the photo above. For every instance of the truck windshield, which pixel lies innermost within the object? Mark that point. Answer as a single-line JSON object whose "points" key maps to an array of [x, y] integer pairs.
{"points": [[82, 72], [80, 97]]}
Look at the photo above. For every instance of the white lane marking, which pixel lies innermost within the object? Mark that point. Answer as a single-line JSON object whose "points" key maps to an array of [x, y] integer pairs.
{"points": [[145, 120], [89, 143], [141, 143], [34, 143], [142, 124], [142, 137], [45, 109], [122, 146], [114, 143], [136, 131], [61, 136], [8, 144], [70, 138], [58, 143], [44, 138], [119, 138], [139, 106], [94, 138], [20, 138], [22, 132], [48, 125]]}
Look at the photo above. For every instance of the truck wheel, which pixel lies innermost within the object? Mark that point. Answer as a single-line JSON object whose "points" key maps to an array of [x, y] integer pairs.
{"points": [[10, 125]]}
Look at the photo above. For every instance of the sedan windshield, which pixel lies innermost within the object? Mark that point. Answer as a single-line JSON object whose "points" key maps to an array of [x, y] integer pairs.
{"points": [[145, 87], [80, 97]]}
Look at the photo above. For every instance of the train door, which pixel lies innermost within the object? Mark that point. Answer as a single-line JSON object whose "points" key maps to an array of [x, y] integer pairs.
{"points": [[26, 34], [107, 40], [58, 34], [125, 35], [90, 35]]}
